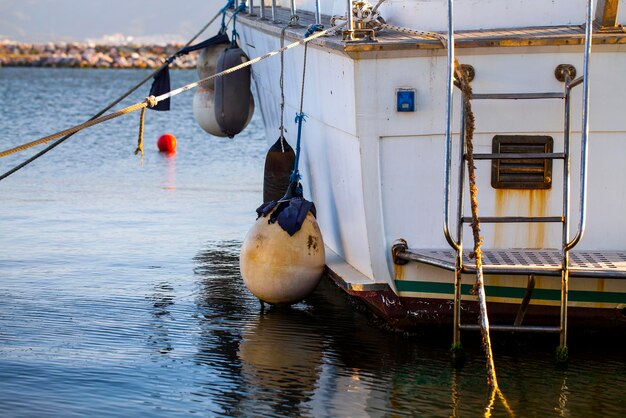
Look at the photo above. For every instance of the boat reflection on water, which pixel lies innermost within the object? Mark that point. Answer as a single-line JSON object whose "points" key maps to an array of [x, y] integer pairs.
{"points": [[162, 300], [281, 356], [318, 357], [322, 357]]}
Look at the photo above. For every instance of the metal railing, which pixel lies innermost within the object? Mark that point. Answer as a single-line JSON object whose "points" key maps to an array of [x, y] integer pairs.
{"points": [[262, 10], [448, 159], [293, 9]]}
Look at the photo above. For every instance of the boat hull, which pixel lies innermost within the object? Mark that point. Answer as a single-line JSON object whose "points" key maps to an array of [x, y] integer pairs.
{"points": [[376, 174], [406, 313]]}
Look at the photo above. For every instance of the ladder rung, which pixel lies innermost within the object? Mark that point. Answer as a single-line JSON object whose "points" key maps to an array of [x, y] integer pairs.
{"points": [[513, 219], [520, 156], [513, 328], [518, 96]]}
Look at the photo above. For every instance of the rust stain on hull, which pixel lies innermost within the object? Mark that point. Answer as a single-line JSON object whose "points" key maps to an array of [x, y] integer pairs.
{"points": [[511, 202], [399, 271]]}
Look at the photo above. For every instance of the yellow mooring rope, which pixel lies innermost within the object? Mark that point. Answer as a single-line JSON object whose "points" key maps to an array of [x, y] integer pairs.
{"points": [[152, 101], [479, 286]]}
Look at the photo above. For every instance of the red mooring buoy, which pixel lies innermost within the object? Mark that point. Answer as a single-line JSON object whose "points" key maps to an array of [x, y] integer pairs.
{"points": [[167, 143]]}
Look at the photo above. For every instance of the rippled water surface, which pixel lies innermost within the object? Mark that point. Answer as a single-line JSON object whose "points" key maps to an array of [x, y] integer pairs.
{"points": [[120, 293]]}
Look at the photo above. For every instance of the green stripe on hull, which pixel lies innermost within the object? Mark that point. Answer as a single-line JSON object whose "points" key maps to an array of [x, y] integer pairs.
{"points": [[512, 292]]}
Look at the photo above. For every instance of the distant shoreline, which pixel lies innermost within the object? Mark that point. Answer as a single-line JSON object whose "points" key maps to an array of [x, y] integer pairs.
{"points": [[81, 55]]}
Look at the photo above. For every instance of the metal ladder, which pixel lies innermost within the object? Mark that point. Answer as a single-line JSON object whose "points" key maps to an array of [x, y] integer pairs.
{"points": [[567, 243]]}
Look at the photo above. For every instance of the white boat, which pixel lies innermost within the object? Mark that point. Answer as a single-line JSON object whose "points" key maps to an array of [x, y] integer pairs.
{"points": [[383, 162]]}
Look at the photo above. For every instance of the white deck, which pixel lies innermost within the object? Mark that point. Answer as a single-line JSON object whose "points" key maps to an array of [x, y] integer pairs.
{"points": [[605, 264]]}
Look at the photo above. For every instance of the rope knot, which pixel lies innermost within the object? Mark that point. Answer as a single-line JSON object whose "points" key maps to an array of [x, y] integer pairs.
{"points": [[300, 117], [241, 8], [151, 101], [312, 29], [295, 176], [365, 16]]}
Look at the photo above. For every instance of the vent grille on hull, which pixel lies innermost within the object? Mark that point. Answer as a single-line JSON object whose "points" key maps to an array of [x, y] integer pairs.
{"points": [[521, 173]]}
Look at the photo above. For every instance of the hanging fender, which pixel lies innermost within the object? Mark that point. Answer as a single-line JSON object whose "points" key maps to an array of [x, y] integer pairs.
{"points": [[278, 266], [279, 162], [234, 104]]}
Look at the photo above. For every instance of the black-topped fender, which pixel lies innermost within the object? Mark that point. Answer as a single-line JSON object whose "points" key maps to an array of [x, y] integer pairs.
{"points": [[233, 97]]}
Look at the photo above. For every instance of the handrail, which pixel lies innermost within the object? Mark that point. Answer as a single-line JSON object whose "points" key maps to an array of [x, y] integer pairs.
{"points": [[292, 7], [566, 164], [350, 17], [318, 13], [449, 86], [584, 157], [274, 12], [262, 10]]}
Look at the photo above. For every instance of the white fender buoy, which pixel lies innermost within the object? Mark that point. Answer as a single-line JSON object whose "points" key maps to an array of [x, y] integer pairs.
{"points": [[282, 269], [204, 98], [207, 62], [204, 111]]}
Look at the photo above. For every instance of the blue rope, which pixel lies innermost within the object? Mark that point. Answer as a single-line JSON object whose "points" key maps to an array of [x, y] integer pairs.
{"points": [[229, 4], [295, 174], [312, 29], [241, 8]]}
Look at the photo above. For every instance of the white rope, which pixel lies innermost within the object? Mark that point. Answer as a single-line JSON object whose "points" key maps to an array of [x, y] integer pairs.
{"points": [[380, 2], [422, 34], [364, 12]]}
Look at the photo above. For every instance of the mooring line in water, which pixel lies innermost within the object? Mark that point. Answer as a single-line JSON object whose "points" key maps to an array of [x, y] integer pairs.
{"points": [[152, 99], [119, 99], [492, 400], [479, 286]]}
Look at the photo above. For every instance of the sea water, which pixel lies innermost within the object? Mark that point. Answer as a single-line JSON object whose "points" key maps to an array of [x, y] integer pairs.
{"points": [[120, 293]]}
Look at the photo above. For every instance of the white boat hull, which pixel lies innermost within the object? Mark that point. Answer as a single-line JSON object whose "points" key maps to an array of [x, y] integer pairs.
{"points": [[376, 174]]}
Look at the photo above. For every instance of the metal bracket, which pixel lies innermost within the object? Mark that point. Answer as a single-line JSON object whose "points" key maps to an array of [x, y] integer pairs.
{"points": [[526, 301], [398, 246], [359, 35], [612, 29], [562, 69]]}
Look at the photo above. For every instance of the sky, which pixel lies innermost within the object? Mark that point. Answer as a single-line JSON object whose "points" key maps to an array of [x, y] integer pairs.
{"points": [[79, 20]]}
